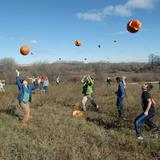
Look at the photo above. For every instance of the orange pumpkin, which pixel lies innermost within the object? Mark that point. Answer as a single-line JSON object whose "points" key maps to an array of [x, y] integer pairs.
{"points": [[134, 26], [77, 42], [78, 114], [24, 50]]}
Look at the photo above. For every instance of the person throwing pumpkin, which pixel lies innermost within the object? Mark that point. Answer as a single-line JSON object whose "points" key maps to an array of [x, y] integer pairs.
{"points": [[25, 97], [87, 92]]}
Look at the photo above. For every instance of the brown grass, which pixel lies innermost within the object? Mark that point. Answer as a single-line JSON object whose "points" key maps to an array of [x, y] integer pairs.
{"points": [[54, 134]]}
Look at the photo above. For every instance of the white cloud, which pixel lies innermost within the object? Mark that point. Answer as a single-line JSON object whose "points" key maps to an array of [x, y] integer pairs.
{"points": [[122, 10], [142, 4], [90, 16], [108, 10], [33, 42], [119, 10], [96, 15]]}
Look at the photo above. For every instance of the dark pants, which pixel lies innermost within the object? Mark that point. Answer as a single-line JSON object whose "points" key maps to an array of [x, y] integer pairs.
{"points": [[45, 89], [120, 106], [142, 119]]}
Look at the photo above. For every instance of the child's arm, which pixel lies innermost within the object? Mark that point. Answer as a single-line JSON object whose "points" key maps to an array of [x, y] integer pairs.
{"points": [[148, 107], [18, 80], [153, 101], [83, 80], [34, 85], [91, 81]]}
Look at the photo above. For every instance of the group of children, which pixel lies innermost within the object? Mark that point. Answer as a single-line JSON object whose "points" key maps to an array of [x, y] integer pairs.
{"points": [[148, 103], [44, 82]]}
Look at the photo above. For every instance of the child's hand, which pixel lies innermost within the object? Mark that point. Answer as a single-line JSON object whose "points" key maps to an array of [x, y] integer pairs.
{"points": [[146, 113], [17, 72]]}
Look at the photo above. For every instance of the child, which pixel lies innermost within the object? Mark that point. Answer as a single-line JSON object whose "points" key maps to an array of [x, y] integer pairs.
{"points": [[148, 111], [87, 92], [120, 97], [2, 86], [58, 80], [33, 79], [109, 81], [45, 84], [25, 97]]}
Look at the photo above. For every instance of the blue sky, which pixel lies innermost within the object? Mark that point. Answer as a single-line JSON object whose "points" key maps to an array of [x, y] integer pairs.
{"points": [[50, 27]]}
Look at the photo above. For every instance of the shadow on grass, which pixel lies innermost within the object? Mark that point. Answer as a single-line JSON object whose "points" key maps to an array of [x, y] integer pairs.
{"points": [[10, 111], [114, 124]]}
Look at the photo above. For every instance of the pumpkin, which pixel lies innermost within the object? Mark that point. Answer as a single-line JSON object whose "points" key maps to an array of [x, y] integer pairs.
{"points": [[78, 114], [24, 50], [77, 42], [134, 26]]}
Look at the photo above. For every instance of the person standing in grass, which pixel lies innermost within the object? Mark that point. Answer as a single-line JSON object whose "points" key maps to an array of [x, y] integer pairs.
{"points": [[120, 97], [25, 97], [33, 79], [45, 84], [2, 86], [58, 80], [148, 106], [87, 92], [109, 81]]}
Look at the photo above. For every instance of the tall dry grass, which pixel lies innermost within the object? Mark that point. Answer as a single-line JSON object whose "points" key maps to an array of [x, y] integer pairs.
{"points": [[54, 134]]}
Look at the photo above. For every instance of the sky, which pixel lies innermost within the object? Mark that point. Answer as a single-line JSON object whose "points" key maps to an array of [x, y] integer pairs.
{"points": [[50, 27]]}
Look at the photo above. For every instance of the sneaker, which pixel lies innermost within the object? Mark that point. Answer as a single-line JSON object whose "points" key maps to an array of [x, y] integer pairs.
{"points": [[140, 138]]}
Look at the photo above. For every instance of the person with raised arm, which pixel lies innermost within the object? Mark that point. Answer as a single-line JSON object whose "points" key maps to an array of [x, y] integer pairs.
{"points": [[25, 97]]}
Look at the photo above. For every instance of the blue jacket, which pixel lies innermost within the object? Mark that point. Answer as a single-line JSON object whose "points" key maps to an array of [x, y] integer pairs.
{"points": [[21, 88], [121, 90]]}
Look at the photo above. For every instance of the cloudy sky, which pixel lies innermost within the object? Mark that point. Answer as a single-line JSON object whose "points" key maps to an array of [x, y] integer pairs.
{"points": [[50, 27]]}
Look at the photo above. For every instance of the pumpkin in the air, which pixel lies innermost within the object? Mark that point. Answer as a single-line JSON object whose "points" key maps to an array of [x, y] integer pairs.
{"points": [[77, 42], [24, 50], [134, 26]]}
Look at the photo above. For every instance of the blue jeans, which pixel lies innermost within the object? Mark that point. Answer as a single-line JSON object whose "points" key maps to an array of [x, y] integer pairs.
{"points": [[142, 119], [120, 106], [45, 89]]}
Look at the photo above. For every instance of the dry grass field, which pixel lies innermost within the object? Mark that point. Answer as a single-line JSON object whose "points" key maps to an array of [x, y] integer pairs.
{"points": [[54, 134]]}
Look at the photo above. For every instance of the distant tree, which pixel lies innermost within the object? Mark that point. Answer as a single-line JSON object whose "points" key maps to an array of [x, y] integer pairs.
{"points": [[7, 69], [154, 60]]}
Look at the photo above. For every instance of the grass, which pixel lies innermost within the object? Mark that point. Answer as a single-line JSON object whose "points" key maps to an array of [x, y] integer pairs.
{"points": [[54, 134]]}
